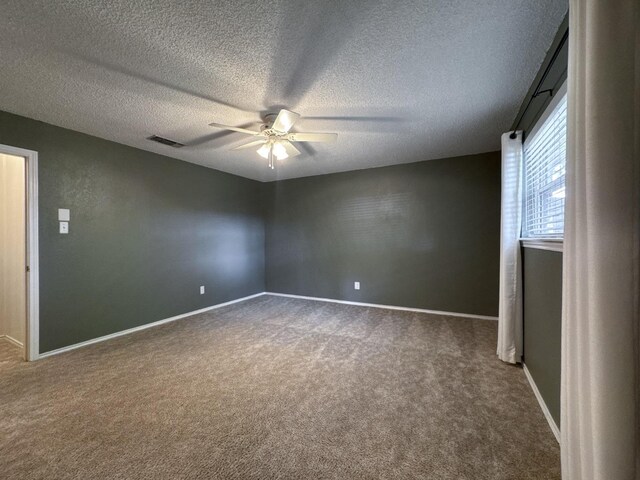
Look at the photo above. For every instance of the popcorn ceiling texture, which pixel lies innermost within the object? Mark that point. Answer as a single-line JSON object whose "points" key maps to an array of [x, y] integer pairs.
{"points": [[399, 81]]}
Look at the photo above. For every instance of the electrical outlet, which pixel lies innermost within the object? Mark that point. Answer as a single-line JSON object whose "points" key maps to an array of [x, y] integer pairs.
{"points": [[202, 290], [356, 285], [64, 227]]}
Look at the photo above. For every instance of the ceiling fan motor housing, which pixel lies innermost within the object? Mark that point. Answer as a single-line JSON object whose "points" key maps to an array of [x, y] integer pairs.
{"points": [[269, 118]]}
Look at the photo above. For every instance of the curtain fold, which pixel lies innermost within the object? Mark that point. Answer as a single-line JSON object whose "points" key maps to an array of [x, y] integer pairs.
{"points": [[600, 424], [510, 302]]}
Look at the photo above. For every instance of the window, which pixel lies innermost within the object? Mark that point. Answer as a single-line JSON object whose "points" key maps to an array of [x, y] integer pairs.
{"points": [[545, 158]]}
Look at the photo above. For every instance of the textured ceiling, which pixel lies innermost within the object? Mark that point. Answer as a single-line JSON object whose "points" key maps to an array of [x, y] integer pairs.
{"points": [[400, 81]]}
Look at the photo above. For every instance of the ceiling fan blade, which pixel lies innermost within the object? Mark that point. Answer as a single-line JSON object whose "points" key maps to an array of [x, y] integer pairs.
{"points": [[254, 143], [235, 129], [285, 120], [290, 149], [312, 137]]}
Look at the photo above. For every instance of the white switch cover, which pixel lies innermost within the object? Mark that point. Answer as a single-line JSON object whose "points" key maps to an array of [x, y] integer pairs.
{"points": [[64, 227], [64, 214], [356, 285], [202, 290]]}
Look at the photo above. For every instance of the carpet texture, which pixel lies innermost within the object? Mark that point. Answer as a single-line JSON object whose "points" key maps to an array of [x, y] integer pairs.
{"points": [[278, 388]]}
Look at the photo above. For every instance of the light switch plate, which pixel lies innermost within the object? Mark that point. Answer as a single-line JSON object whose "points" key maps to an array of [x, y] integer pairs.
{"points": [[64, 227], [64, 214]]}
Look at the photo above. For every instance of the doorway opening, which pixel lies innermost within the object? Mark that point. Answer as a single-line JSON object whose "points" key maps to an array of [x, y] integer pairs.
{"points": [[19, 298]]}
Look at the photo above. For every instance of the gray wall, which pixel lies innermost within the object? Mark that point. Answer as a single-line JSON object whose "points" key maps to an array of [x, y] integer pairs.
{"points": [[146, 231], [542, 269], [556, 76], [422, 235], [542, 282]]}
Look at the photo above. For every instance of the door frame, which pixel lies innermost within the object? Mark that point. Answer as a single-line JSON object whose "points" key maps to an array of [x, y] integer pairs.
{"points": [[32, 330]]}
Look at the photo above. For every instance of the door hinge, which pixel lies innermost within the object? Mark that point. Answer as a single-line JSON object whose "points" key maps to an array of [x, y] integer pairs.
{"points": [[28, 269]]}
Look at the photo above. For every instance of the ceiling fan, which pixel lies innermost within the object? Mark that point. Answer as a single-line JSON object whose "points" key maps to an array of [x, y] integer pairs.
{"points": [[274, 138]]}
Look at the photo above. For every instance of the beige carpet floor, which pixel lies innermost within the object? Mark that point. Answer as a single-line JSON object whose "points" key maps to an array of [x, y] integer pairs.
{"points": [[278, 388]]}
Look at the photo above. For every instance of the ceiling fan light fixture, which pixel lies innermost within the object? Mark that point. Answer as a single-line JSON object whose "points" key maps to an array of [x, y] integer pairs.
{"points": [[279, 151], [263, 151]]}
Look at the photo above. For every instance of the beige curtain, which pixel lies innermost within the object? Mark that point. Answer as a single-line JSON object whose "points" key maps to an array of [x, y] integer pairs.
{"points": [[600, 427]]}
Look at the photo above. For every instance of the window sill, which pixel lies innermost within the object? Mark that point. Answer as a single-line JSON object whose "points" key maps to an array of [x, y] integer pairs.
{"points": [[552, 244]]}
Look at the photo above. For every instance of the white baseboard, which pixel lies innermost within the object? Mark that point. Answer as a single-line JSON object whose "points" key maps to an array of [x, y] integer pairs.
{"points": [[12, 340], [388, 307], [543, 406], [202, 310], [143, 327]]}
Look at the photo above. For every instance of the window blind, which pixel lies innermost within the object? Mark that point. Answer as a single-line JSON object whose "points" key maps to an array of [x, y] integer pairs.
{"points": [[545, 157]]}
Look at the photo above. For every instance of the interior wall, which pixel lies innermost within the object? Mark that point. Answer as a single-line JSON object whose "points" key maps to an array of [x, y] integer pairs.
{"points": [[542, 269], [146, 232], [13, 307], [542, 285], [422, 235], [556, 76]]}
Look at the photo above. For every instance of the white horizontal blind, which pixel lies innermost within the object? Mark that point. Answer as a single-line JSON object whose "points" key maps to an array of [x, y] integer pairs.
{"points": [[545, 158]]}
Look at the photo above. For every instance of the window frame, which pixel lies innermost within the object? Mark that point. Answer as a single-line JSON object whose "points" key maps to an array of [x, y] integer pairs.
{"points": [[550, 243]]}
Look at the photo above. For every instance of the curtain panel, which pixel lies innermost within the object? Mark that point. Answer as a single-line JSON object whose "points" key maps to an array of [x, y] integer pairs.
{"points": [[510, 301], [600, 427]]}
